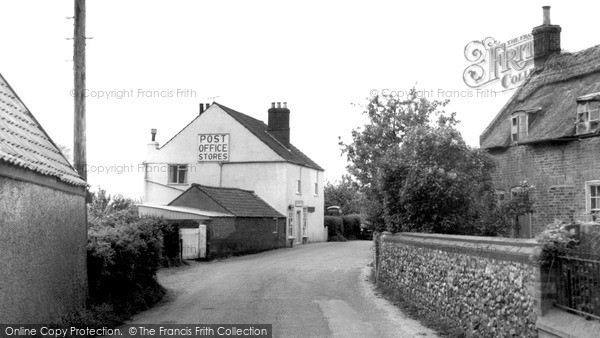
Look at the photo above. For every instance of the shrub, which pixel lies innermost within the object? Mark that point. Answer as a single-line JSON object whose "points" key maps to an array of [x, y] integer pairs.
{"points": [[351, 226], [334, 226], [123, 259], [557, 239]]}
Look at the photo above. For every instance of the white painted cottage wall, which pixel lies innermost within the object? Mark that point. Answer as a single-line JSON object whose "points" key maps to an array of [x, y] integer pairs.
{"points": [[274, 180]]}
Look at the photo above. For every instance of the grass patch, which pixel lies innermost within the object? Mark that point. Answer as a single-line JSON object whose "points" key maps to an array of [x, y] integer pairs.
{"points": [[444, 327]]}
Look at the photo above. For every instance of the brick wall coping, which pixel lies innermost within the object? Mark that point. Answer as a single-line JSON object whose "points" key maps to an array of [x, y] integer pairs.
{"points": [[511, 249]]}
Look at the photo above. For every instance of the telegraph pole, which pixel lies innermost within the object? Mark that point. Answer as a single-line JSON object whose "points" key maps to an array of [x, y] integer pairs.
{"points": [[79, 140]]}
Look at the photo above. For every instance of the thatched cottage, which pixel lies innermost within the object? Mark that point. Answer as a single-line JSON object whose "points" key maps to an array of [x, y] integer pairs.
{"points": [[547, 133], [43, 232]]}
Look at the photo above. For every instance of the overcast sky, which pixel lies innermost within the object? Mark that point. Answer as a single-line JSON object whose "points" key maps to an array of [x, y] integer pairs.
{"points": [[319, 56]]}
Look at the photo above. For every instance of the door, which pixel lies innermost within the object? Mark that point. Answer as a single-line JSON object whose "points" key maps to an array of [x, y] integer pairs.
{"points": [[202, 241], [193, 242], [189, 243], [524, 226]]}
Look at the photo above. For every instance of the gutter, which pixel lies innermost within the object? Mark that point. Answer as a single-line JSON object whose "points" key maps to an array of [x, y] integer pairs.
{"points": [[547, 140]]}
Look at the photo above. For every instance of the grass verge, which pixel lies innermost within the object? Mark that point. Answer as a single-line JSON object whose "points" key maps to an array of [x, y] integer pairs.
{"points": [[444, 327]]}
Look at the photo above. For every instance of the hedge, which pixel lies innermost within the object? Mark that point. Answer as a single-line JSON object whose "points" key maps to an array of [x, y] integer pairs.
{"points": [[351, 225], [335, 227], [124, 252]]}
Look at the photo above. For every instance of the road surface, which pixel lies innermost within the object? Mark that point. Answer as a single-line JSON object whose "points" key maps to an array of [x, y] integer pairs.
{"points": [[314, 290]]}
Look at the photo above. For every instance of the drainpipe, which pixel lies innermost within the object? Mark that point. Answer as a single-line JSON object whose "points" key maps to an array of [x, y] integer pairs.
{"points": [[220, 174]]}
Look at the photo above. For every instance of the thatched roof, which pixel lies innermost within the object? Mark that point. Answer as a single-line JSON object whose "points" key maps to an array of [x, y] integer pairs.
{"points": [[555, 87]]}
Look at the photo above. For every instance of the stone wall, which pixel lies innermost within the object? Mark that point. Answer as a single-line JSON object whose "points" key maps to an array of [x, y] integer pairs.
{"points": [[488, 286], [557, 171], [43, 237]]}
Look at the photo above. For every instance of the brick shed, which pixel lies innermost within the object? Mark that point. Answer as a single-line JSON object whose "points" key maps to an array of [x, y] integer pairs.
{"points": [[43, 233], [237, 221]]}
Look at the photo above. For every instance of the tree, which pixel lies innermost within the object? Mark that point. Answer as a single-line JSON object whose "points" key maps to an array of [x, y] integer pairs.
{"points": [[345, 194], [67, 152], [441, 185], [378, 142]]}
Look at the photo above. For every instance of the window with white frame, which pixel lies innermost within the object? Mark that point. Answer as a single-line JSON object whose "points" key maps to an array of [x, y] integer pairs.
{"points": [[592, 196], [519, 127], [178, 173], [588, 117]]}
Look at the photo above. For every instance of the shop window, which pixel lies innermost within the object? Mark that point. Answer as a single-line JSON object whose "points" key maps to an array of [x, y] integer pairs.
{"points": [[304, 223], [290, 223], [588, 117], [178, 173]]}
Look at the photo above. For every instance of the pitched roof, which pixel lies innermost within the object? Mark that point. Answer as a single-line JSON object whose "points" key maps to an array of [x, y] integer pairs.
{"points": [[259, 129], [238, 202], [555, 87], [24, 143]]}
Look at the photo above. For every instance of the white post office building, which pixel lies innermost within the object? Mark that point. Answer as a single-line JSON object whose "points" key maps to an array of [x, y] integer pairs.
{"points": [[225, 148]]}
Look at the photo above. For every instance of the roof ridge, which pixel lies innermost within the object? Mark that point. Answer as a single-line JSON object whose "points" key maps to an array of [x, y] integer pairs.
{"points": [[212, 198], [229, 188]]}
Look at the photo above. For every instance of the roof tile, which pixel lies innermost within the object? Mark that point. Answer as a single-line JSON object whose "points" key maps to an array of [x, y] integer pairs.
{"points": [[239, 202], [24, 143]]}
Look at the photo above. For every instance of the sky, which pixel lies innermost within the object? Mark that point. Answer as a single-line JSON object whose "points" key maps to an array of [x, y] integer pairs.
{"points": [[150, 63]]}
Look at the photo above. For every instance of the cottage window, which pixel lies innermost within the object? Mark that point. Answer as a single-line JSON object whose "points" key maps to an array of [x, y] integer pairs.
{"points": [[588, 117], [178, 174], [275, 225], [316, 189], [592, 196], [519, 127], [298, 187]]}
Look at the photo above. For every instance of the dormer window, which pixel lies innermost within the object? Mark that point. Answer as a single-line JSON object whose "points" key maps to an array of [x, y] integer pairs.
{"points": [[518, 127], [520, 121], [588, 116]]}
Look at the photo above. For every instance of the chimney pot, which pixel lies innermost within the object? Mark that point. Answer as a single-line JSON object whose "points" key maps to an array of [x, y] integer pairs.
{"points": [[546, 15], [285, 105], [278, 104], [272, 104], [201, 108], [153, 132]]}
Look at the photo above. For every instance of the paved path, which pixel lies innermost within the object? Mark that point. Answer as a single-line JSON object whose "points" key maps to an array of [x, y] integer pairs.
{"points": [[315, 290]]}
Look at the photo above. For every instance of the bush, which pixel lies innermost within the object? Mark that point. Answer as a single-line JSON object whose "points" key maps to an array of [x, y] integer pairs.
{"points": [[334, 226], [351, 225], [557, 239], [123, 259]]}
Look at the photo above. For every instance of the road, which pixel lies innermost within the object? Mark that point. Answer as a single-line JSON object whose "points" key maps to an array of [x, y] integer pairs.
{"points": [[314, 290]]}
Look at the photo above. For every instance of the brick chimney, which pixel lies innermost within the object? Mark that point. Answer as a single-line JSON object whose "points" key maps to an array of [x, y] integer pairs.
{"points": [[546, 39], [279, 123]]}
